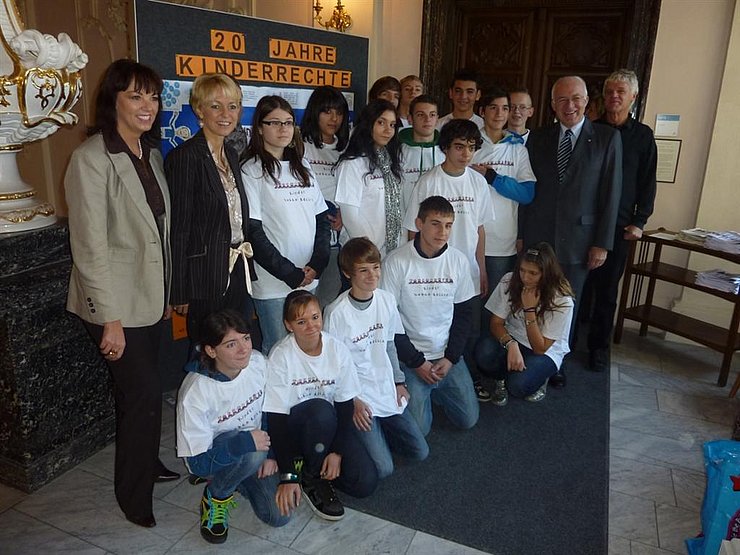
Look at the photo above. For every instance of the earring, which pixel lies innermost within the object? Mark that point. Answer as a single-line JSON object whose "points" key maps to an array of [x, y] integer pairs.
{"points": [[200, 122]]}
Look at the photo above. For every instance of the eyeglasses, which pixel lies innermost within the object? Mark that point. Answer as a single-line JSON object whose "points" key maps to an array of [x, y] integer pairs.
{"points": [[520, 107], [278, 123], [575, 99]]}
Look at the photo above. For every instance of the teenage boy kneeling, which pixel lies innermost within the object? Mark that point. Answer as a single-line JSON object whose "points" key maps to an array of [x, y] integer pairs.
{"points": [[367, 321], [433, 288]]}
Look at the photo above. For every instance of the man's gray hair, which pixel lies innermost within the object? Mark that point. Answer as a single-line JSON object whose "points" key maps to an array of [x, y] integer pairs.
{"points": [[626, 75]]}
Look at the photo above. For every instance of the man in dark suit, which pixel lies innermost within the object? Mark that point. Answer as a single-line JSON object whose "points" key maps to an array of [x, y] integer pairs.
{"points": [[640, 157], [579, 182]]}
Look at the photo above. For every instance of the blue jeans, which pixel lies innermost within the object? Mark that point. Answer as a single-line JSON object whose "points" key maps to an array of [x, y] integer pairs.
{"points": [[240, 474], [314, 426], [270, 314], [398, 433], [455, 394], [491, 357]]}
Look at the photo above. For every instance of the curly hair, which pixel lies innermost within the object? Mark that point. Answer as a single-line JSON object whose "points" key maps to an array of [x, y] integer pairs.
{"points": [[552, 283]]}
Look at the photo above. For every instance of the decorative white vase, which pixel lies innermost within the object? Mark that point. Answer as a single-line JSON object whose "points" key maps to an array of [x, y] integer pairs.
{"points": [[39, 84]]}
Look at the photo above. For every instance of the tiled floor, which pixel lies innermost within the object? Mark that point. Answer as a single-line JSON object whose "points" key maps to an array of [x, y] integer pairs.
{"points": [[664, 405]]}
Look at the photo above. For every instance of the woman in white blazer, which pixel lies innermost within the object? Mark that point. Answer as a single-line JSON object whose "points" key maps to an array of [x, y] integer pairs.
{"points": [[119, 212]]}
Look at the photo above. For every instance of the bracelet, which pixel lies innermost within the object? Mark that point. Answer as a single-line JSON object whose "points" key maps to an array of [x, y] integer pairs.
{"points": [[528, 323], [289, 478], [530, 309], [506, 338], [509, 342], [401, 384]]}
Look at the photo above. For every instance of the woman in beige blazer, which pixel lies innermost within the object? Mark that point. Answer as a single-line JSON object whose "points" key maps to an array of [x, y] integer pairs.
{"points": [[119, 212]]}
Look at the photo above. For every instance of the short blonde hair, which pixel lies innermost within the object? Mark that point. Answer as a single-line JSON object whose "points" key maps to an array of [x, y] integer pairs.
{"points": [[208, 85]]}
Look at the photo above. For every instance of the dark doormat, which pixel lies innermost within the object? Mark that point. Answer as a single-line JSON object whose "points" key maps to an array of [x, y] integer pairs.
{"points": [[529, 478]]}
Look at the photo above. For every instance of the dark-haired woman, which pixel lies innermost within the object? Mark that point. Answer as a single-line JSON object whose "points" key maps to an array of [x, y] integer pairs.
{"points": [[311, 385], [119, 216], [289, 225], [386, 88], [325, 130], [369, 178], [220, 429], [210, 214], [532, 309]]}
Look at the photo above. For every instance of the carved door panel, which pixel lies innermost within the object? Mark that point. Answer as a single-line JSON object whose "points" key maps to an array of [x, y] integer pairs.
{"points": [[532, 43], [534, 47]]}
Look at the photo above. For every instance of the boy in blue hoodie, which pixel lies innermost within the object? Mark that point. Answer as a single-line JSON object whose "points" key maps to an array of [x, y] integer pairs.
{"points": [[220, 428]]}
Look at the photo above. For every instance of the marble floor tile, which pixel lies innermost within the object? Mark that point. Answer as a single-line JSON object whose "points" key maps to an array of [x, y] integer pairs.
{"points": [[237, 543], [637, 351], [675, 525], [689, 488], [618, 545], [356, 533], [633, 518], [21, 534], [647, 481], [95, 517], [633, 395], [9, 497], [426, 544], [722, 411], [634, 375], [101, 463], [682, 428], [654, 449], [642, 549]]}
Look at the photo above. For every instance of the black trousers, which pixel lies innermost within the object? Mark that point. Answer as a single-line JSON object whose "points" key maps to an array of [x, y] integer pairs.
{"points": [[138, 395], [235, 297], [603, 287]]}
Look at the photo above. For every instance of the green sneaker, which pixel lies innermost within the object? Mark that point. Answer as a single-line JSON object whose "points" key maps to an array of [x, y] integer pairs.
{"points": [[214, 517]]}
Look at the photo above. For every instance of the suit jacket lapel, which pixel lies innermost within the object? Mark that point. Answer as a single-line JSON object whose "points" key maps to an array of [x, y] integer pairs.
{"points": [[214, 180], [130, 179]]}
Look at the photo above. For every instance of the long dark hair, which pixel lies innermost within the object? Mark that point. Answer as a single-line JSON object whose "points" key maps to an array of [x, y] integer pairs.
{"points": [[119, 75], [293, 153], [552, 282], [361, 144], [215, 327], [323, 99]]}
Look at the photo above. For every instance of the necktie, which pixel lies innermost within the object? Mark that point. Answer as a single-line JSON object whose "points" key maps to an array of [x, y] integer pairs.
{"points": [[564, 149]]}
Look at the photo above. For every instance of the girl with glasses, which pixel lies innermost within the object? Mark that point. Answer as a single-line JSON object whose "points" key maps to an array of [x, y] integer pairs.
{"points": [[288, 214]]}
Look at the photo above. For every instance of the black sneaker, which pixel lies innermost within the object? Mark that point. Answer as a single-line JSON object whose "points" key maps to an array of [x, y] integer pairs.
{"points": [[481, 393], [322, 498], [214, 517]]}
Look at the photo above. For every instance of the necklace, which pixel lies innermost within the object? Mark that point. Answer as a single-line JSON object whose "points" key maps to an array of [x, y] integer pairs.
{"points": [[141, 150]]}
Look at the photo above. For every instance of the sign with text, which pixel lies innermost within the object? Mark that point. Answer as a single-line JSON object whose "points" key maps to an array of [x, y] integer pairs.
{"points": [[265, 57]]}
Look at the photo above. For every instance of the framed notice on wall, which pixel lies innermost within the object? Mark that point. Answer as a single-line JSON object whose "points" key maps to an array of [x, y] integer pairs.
{"points": [[265, 57], [668, 154]]}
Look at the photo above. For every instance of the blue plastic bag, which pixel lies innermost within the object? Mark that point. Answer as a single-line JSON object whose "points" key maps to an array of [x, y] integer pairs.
{"points": [[720, 511]]}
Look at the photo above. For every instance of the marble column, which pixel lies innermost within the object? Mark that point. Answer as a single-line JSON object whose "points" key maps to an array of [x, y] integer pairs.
{"points": [[56, 406]]}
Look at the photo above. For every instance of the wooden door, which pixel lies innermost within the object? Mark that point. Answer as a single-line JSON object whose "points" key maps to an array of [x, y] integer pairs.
{"points": [[532, 43]]}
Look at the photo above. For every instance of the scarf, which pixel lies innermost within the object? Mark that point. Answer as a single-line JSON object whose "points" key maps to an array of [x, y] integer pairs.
{"points": [[392, 186]]}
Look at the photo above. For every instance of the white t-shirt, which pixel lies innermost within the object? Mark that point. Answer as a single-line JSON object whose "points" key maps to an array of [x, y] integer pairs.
{"points": [[322, 161], [474, 118], [426, 290], [555, 324], [416, 161], [294, 377], [366, 334], [511, 160], [468, 194], [361, 198], [207, 408], [288, 212]]}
